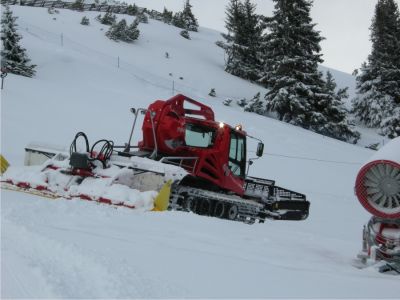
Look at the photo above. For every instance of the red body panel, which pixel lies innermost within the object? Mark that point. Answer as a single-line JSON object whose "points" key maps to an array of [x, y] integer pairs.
{"points": [[169, 121]]}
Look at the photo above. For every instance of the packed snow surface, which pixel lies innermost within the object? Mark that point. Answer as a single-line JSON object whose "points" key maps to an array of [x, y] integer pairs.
{"points": [[76, 249]]}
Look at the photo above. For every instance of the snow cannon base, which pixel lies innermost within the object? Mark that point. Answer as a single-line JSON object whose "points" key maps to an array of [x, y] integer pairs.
{"points": [[381, 246]]}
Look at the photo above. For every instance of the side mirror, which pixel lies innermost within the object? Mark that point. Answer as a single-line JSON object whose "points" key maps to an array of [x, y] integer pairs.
{"points": [[260, 149], [133, 110]]}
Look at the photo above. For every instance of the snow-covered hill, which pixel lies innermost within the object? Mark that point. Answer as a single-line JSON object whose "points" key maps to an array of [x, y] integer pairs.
{"points": [[71, 249]]}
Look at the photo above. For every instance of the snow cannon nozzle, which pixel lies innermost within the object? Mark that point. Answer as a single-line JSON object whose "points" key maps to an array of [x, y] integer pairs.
{"points": [[378, 182]]}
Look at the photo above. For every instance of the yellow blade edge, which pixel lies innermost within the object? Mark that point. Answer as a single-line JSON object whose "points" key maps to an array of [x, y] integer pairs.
{"points": [[45, 194], [3, 164], [161, 201]]}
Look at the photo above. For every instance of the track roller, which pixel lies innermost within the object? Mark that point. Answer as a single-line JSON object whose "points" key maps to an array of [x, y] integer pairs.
{"points": [[219, 210], [233, 212]]}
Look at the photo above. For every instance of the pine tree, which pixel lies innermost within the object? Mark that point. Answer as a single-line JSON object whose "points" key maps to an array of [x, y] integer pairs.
{"points": [[77, 5], [132, 10], [227, 102], [85, 21], [291, 54], [167, 16], [142, 17], [121, 32], [391, 124], [255, 105], [108, 19], [378, 84], [370, 104], [13, 56], [132, 32], [185, 34], [330, 117], [185, 19], [212, 93], [189, 20], [242, 102], [177, 20], [117, 31], [243, 41]]}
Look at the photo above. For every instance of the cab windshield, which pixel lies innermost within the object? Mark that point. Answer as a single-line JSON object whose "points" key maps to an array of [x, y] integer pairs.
{"points": [[199, 136]]}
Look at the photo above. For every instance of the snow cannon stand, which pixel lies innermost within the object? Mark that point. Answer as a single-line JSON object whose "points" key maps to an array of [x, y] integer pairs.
{"points": [[378, 190]]}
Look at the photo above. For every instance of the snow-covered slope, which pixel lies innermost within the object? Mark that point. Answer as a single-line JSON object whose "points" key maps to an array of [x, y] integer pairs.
{"points": [[66, 248]]}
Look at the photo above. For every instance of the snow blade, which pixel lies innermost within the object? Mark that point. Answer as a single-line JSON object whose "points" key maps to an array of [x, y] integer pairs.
{"points": [[161, 202], [3, 164]]}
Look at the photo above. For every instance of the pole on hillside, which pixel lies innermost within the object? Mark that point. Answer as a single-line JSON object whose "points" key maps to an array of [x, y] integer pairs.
{"points": [[3, 75], [118, 61], [62, 40]]}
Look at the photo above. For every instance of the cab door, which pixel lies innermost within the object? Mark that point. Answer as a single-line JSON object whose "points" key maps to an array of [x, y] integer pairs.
{"points": [[236, 162]]}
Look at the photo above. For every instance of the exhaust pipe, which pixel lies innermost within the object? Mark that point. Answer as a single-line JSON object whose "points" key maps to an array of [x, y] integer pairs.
{"points": [[377, 185]]}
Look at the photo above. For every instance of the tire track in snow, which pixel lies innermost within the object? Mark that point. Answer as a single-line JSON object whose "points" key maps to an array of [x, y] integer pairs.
{"points": [[66, 270], [62, 268]]}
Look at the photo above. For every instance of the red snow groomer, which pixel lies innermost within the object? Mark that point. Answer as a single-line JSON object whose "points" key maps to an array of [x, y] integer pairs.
{"points": [[378, 190], [204, 161]]}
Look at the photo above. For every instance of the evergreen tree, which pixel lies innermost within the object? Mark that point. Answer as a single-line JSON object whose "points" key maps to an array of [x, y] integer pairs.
{"points": [[255, 105], [243, 41], [378, 85], [167, 16], [242, 102], [371, 103], [330, 118], [117, 31], [212, 93], [185, 19], [121, 32], [227, 102], [177, 20], [78, 5], [132, 10], [108, 19], [142, 16], [185, 34], [189, 20], [391, 124], [132, 32], [13, 56], [291, 54], [85, 21]]}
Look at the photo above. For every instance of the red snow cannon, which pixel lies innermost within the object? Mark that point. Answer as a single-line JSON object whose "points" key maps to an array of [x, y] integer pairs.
{"points": [[378, 182]]}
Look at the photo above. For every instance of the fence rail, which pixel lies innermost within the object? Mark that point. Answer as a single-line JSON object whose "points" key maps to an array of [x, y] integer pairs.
{"points": [[118, 9]]}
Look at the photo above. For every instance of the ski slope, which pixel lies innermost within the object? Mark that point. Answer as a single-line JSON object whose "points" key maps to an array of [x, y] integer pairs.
{"points": [[74, 249]]}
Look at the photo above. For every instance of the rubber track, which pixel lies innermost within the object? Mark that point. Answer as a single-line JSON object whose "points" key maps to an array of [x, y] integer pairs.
{"points": [[248, 210]]}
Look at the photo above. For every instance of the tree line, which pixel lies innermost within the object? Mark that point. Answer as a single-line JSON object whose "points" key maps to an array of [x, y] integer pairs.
{"points": [[14, 57], [282, 53]]}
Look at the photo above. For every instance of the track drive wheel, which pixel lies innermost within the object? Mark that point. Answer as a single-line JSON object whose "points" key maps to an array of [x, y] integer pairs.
{"points": [[233, 212], [219, 209]]}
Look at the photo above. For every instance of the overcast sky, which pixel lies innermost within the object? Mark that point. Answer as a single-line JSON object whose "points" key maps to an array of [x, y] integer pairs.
{"points": [[344, 23]]}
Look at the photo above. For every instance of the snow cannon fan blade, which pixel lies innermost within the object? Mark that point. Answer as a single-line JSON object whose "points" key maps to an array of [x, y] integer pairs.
{"points": [[378, 182]]}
